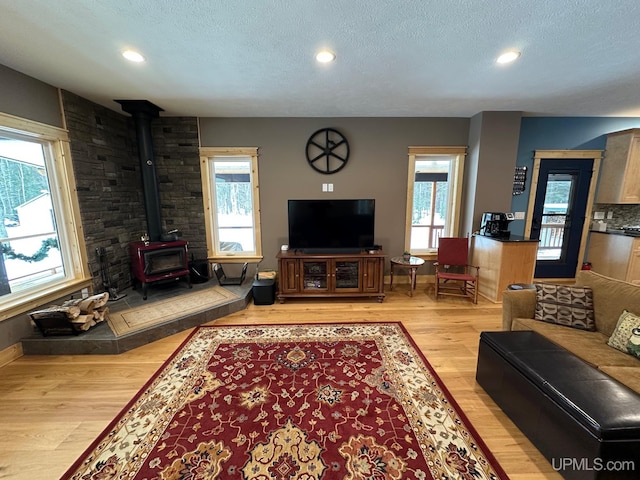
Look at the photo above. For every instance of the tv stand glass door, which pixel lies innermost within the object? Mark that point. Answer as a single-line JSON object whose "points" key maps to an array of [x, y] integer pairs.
{"points": [[346, 275], [315, 275]]}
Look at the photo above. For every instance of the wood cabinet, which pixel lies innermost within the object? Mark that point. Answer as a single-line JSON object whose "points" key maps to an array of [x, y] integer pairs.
{"points": [[616, 256], [330, 275], [621, 168], [502, 262]]}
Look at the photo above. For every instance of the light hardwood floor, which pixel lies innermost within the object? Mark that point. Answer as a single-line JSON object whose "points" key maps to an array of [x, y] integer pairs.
{"points": [[54, 406]]}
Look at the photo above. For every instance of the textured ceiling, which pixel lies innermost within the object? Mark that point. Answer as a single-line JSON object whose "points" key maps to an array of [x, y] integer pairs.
{"points": [[255, 58]]}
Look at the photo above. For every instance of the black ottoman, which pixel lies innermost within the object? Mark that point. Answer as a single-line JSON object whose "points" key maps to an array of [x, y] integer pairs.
{"points": [[583, 421]]}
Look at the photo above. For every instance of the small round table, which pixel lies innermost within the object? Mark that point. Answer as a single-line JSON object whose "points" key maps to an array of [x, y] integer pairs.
{"points": [[411, 265]]}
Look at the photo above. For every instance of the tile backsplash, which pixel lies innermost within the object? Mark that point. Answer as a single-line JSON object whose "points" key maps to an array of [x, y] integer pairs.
{"points": [[623, 215]]}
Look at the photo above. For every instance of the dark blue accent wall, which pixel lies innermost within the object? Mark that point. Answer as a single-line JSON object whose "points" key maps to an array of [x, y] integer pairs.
{"points": [[561, 133]]}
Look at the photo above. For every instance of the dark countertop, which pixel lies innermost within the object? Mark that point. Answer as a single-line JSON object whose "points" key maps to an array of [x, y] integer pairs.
{"points": [[512, 238], [613, 231]]}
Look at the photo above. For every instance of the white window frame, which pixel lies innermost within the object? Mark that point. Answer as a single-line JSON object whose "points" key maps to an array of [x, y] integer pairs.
{"points": [[68, 220], [207, 156], [452, 222]]}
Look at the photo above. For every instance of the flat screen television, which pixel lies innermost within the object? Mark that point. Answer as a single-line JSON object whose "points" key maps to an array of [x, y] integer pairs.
{"points": [[327, 226]]}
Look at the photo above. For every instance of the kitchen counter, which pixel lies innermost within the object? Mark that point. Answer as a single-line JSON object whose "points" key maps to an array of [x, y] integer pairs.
{"points": [[512, 238], [615, 255], [502, 261], [615, 231]]}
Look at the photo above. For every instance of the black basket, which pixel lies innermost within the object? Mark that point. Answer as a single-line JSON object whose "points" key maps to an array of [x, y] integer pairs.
{"points": [[199, 271]]}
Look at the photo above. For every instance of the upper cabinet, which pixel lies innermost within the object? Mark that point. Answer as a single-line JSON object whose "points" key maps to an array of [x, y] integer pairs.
{"points": [[621, 168]]}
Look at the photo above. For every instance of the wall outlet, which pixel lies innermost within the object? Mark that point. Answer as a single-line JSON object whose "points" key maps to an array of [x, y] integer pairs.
{"points": [[609, 215], [598, 215]]}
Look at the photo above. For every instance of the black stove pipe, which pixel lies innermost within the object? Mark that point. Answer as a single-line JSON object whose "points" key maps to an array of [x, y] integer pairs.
{"points": [[143, 112]]}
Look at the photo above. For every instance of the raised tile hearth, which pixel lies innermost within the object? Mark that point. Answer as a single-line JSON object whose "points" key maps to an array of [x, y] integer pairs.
{"points": [[100, 340]]}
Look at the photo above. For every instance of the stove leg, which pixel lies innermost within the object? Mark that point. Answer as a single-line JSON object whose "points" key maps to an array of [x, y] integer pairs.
{"points": [[144, 290]]}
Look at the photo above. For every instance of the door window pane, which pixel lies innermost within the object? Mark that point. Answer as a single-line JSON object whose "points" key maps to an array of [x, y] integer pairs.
{"points": [[555, 216]]}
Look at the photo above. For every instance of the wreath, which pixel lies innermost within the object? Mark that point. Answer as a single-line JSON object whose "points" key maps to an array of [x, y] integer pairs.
{"points": [[41, 254]]}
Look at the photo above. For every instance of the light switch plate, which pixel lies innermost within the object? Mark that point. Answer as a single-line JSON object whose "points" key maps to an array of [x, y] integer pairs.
{"points": [[598, 215]]}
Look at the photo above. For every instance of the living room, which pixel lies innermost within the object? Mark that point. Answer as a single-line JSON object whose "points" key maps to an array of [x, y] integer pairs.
{"points": [[276, 175], [111, 207], [379, 158]]}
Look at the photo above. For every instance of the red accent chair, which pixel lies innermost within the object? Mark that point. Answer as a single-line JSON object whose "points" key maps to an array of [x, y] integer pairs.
{"points": [[454, 275]]}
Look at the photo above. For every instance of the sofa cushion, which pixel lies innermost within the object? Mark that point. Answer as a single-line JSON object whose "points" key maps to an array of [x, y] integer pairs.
{"points": [[590, 346], [610, 298], [565, 305], [626, 336]]}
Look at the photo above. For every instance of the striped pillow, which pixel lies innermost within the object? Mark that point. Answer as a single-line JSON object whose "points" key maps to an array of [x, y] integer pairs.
{"points": [[566, 305]]}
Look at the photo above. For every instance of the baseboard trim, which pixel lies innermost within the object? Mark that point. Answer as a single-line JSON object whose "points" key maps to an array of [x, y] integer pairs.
{"points": [[10, 354]]}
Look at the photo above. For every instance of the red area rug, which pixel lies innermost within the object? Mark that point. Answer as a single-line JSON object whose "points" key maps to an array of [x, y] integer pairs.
{"points": [[341, 401]]}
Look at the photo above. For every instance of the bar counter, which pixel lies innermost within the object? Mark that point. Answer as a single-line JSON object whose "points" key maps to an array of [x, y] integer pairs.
{"points": [[502, 261]]}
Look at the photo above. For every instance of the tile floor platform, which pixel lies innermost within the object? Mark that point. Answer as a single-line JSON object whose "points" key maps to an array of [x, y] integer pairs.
{"points": [[101, 340]]}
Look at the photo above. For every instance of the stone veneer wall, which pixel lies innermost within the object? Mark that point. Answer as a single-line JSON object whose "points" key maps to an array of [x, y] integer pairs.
{"points": [[105, 164], [107, 172], [176, 149]]}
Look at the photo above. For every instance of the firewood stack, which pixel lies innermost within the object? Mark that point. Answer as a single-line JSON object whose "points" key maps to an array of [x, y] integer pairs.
{"points": [[80, 313], [92, 310]]}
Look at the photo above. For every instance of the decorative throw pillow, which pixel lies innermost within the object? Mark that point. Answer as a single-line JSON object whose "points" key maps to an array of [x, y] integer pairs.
{"points": [[626, 336], [565, 305], [633, 346]]}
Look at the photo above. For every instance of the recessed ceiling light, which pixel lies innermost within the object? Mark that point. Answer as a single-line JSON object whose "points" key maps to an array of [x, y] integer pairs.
{"points": [[508, 57], [133, 56], [325, 56]]}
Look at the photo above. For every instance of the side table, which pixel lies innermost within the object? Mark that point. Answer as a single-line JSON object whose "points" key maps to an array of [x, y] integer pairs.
{"points": [[411, 265]]}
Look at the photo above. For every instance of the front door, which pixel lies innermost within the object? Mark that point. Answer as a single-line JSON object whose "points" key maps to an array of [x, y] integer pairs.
{"points": [[559, 215]]}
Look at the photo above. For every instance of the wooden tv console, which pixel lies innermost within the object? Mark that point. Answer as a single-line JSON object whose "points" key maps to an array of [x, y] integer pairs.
{"points": [[330, 275]]}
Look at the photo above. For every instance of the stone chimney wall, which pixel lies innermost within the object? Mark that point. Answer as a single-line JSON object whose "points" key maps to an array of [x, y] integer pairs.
{"points": [[106, 169]]}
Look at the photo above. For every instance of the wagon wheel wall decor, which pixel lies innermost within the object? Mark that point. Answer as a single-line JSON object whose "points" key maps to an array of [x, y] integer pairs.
{"points": [[327, 151]]}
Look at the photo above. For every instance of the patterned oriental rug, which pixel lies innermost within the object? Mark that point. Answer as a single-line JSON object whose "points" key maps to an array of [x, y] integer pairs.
{"points": [[332, 401]]}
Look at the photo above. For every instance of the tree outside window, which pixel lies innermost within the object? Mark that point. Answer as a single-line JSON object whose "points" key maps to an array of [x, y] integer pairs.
{"points": [[234, 205], [434, 195], [230, 188], [28, 227], [43, 252]]}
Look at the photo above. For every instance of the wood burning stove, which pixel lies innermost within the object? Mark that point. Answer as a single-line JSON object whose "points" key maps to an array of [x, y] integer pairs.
{"points": [[157, 261]]}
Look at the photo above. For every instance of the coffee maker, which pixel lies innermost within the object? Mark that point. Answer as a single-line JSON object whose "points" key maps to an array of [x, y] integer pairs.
{"points": [[496, 224]]}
